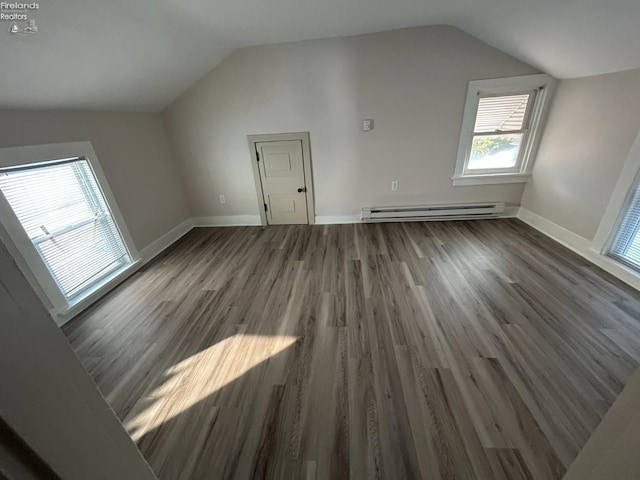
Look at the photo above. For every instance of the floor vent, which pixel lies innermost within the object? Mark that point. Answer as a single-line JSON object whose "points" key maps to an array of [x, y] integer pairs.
{"points": [[466, 211]]}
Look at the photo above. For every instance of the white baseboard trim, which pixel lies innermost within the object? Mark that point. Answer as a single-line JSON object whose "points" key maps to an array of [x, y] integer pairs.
{"points": [[571, 240], [510, 211], [337, 219], [165, 241], [253, 220], [147, 254], [227, 221], [579, 245]]}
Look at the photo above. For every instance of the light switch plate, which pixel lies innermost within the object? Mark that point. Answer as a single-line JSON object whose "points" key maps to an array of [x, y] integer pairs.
{"points": [[394, 186], [367, 124], [222, 199]]}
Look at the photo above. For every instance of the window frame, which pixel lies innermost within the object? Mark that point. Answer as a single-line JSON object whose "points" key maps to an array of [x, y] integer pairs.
{"points": [[607, 247], [25, 252], [543, 85]]}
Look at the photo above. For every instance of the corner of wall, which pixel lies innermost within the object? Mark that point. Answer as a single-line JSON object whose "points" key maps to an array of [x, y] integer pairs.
{"points": [[165, 241], [580, 246]]}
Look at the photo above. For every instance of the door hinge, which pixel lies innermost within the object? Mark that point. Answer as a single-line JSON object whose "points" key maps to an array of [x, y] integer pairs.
{"points": [[265, 208], [257, 156]]}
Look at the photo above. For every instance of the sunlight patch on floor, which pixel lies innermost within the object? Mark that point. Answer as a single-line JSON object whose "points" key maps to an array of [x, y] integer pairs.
{"points": [[200, 376]]}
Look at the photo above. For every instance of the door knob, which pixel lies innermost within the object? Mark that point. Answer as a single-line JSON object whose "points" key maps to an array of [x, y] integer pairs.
{"points": [[300, 190]]}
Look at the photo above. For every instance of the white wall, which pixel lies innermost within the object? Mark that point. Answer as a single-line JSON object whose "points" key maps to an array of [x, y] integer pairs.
{"points": [[591, 128], [612, 450], [412, 82], [48, 398], [133, 151]]}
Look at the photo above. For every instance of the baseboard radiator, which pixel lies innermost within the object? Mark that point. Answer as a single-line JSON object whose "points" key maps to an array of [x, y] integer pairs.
{"points": [[423, 213]]}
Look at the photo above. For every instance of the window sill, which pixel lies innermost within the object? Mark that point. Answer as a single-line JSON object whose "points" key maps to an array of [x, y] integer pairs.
{"points": [[490, 179], [626, 272], [93, 294]]}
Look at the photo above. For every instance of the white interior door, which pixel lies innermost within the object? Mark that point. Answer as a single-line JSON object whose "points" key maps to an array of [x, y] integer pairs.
{"points": [[283, 182]]}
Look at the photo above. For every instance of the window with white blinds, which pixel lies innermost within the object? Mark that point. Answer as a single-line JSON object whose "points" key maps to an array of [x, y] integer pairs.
{"points": [[503, 113], [499, 132], [626, 241], [64, 213], [500, 129]]}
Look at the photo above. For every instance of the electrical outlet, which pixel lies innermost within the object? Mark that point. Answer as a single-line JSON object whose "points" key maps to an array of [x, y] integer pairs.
{"points": [[222, 199], [367, 124], [394, 186]]}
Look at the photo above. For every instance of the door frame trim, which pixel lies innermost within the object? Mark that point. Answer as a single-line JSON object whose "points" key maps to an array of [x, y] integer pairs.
{"points": [[306, 161]]}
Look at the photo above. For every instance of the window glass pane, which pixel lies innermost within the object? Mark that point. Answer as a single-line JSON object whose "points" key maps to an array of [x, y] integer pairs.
{"points": [[64, 213], [501, 114], [494, 151], [626, 243]]}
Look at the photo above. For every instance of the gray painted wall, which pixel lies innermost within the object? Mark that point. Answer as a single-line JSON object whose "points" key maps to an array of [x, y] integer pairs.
{"points": [[592, 125], [412, 82], [612, 450], [49, 399], [133, 151]]}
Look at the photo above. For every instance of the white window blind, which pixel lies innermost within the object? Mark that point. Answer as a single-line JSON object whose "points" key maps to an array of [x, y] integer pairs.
{"points": [[626, 242], [499, 130], [62, 210], [501, 114]]}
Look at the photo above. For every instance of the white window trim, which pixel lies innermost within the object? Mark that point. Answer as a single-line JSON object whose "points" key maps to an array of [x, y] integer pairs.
{"points": [[596, 250], [28, 258], [618, 202], [545, 85]]}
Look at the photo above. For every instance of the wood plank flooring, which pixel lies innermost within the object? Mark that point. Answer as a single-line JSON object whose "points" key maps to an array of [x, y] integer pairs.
{"points": [[442, 350]]}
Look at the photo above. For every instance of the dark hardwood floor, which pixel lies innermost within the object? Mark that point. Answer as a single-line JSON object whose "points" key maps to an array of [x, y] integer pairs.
{"points": [[470, 350]]}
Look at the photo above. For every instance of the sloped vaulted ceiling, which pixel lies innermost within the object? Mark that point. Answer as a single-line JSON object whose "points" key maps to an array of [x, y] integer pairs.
{"points": [[139, 55]]}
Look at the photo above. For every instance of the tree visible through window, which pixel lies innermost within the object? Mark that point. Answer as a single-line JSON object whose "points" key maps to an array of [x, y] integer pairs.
{"points": [[501, 129]]}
